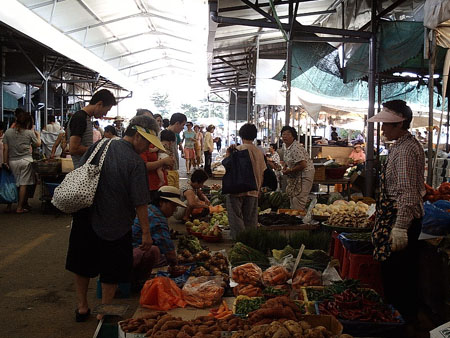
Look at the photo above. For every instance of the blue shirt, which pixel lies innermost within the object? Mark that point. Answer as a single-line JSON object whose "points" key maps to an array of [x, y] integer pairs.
{"points": [[159, 228]]}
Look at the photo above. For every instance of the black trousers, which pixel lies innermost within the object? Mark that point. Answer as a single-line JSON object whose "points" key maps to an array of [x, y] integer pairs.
{"points": [[208, 163], [400, 274]]}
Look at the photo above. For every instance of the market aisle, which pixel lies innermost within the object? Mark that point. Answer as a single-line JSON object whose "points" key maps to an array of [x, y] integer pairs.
{"points": [[37, 297]]}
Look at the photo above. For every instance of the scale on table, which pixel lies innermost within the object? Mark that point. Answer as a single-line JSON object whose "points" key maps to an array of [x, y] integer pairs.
{"points": [[108, 310]]}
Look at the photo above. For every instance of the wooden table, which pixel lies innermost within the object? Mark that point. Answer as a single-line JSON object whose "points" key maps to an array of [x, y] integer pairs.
{"points": [[345, 181]]}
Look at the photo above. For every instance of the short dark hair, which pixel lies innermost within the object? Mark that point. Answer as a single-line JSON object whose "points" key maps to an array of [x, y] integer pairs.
{"points": [[274, 146], [199, 176], [2, 126], [111, 129], [95, 123], [166, 123], [258, 142], [189, 123], [105, 96], [142, 111], [177, 117], [291, 130], [168, 135], [156, 116], [51, 118], [24, 120], [400, 106], [248, 132], [210, 127]]}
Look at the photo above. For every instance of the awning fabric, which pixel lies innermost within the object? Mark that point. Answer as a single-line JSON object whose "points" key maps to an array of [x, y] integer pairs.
{"points": [[9, 101], [397, 43]]}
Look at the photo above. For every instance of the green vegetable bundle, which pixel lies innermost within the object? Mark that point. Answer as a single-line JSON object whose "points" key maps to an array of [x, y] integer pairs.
{"points": [[190, 243], [241, 254]]}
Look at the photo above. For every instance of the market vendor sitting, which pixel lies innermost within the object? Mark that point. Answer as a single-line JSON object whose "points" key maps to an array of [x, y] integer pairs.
{"points": [[163, 250], [357, 156], [191, 193]]}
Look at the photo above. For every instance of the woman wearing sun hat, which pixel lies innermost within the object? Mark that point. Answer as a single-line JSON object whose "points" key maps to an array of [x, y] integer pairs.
{"points": [[399, 209], [163, 250]]}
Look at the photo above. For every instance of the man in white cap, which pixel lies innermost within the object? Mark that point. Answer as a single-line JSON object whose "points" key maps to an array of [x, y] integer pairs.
{"points": [[399, 209], [159, 211]]}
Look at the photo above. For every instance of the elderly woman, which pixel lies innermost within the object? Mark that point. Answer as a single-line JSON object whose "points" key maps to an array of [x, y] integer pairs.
{"points": [[298, 167], [17, 155], [357, 156], [208, 147]]}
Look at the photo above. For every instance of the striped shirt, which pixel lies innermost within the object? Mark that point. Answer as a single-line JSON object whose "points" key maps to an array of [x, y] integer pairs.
{"points": [[405, 179]]}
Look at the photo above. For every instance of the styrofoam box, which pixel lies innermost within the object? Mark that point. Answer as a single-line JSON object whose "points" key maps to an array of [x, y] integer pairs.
{"points": [[128, 335], [442, 331]]}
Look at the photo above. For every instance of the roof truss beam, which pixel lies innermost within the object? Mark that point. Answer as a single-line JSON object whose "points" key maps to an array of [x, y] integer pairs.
{"points": [[138, 15], [154, 60]]}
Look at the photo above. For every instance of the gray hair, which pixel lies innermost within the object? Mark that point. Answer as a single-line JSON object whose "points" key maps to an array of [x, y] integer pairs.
{"points": [[143, 111], [143, 121]]}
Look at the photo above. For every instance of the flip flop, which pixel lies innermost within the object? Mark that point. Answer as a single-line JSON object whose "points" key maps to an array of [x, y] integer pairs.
{"points": [[24, 211], [82, 317]]}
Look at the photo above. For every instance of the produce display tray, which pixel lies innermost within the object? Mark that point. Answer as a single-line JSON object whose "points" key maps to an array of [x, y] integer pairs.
{"points": [[371, 329], [345, 229], [320, 218]]}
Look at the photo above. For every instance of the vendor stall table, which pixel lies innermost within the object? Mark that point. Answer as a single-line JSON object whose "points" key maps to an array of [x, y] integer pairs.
{"points": [[332, 181]]}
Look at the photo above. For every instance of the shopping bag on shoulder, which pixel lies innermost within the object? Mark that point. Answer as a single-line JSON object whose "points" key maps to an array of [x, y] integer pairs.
{"points": [[162, 294], [77, 190], [239, 176], [8, 189]]}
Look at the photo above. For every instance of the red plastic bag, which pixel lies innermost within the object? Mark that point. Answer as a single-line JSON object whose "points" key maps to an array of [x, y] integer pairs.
{"points": [[161, 293]]}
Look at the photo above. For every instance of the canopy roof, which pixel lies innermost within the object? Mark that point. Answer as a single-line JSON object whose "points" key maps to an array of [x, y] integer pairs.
{"points": [[130, 42]]}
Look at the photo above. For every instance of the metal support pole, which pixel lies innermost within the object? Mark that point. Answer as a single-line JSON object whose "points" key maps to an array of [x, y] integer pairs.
{"points": [[1, 99], [249, 97], [431, 64], [288, 83], [45, 101], [448, 124], [28, 98], [371, 112], [236, 107]]}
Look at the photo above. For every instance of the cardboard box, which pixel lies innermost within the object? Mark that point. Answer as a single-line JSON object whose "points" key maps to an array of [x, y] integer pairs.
{"points": [[329, 322], [442, 331], [66, 165]]}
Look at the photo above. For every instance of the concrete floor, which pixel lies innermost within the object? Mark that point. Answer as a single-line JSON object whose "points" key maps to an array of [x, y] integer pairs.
{"points": [[37, 296]]}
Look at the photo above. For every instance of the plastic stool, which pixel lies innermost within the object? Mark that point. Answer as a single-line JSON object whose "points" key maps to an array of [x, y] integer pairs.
{"points": [[367, 270], [337, 248], [123, 290]]}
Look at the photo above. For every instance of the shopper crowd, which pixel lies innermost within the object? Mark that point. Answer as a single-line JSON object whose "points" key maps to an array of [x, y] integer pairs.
{"points": [[125, 232]]}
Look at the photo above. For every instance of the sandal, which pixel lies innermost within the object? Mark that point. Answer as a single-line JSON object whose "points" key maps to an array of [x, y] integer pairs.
{"points": [[23, 211], [82, 317]]}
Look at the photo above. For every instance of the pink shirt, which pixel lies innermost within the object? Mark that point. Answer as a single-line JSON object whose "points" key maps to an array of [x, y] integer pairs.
{"points": [[358, 156]]}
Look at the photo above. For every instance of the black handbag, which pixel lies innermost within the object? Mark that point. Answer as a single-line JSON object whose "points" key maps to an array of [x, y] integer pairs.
{"points": [[239, 176], [270, 179]]}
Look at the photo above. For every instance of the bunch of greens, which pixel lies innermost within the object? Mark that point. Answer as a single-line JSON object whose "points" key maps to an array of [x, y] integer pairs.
{"points": [[241, 254], [190, 243], [246, 305]]}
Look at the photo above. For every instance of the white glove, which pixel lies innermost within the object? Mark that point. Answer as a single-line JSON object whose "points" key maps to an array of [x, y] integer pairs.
{"points": [[399, 239]]}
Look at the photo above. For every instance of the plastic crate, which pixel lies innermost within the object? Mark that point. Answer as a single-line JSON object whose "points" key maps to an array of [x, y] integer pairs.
{"points": [[367, 270], [345, 264], [371, 329], [338, 249], [356, 246]]}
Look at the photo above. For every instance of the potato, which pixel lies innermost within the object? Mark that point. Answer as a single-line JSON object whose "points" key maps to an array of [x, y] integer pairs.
{"points": [[282, 332]]}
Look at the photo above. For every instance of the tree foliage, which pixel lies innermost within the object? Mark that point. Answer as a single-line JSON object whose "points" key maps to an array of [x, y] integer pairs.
{"points": [[162, 102]]}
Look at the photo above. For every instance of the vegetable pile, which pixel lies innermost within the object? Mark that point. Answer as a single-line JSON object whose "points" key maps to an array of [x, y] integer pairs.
{"points": [[203, 291], [190, 243], [273, 200], [347, 301], [275, 275], [245, 305], [164, 325], [442, 193], [276, 308], [339, 206], [306, 277], [222, 312], [285, 329], [241, 253]]}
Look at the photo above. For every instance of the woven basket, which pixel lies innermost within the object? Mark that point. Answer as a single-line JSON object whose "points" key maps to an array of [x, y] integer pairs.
{"points": [[47, 167]]}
